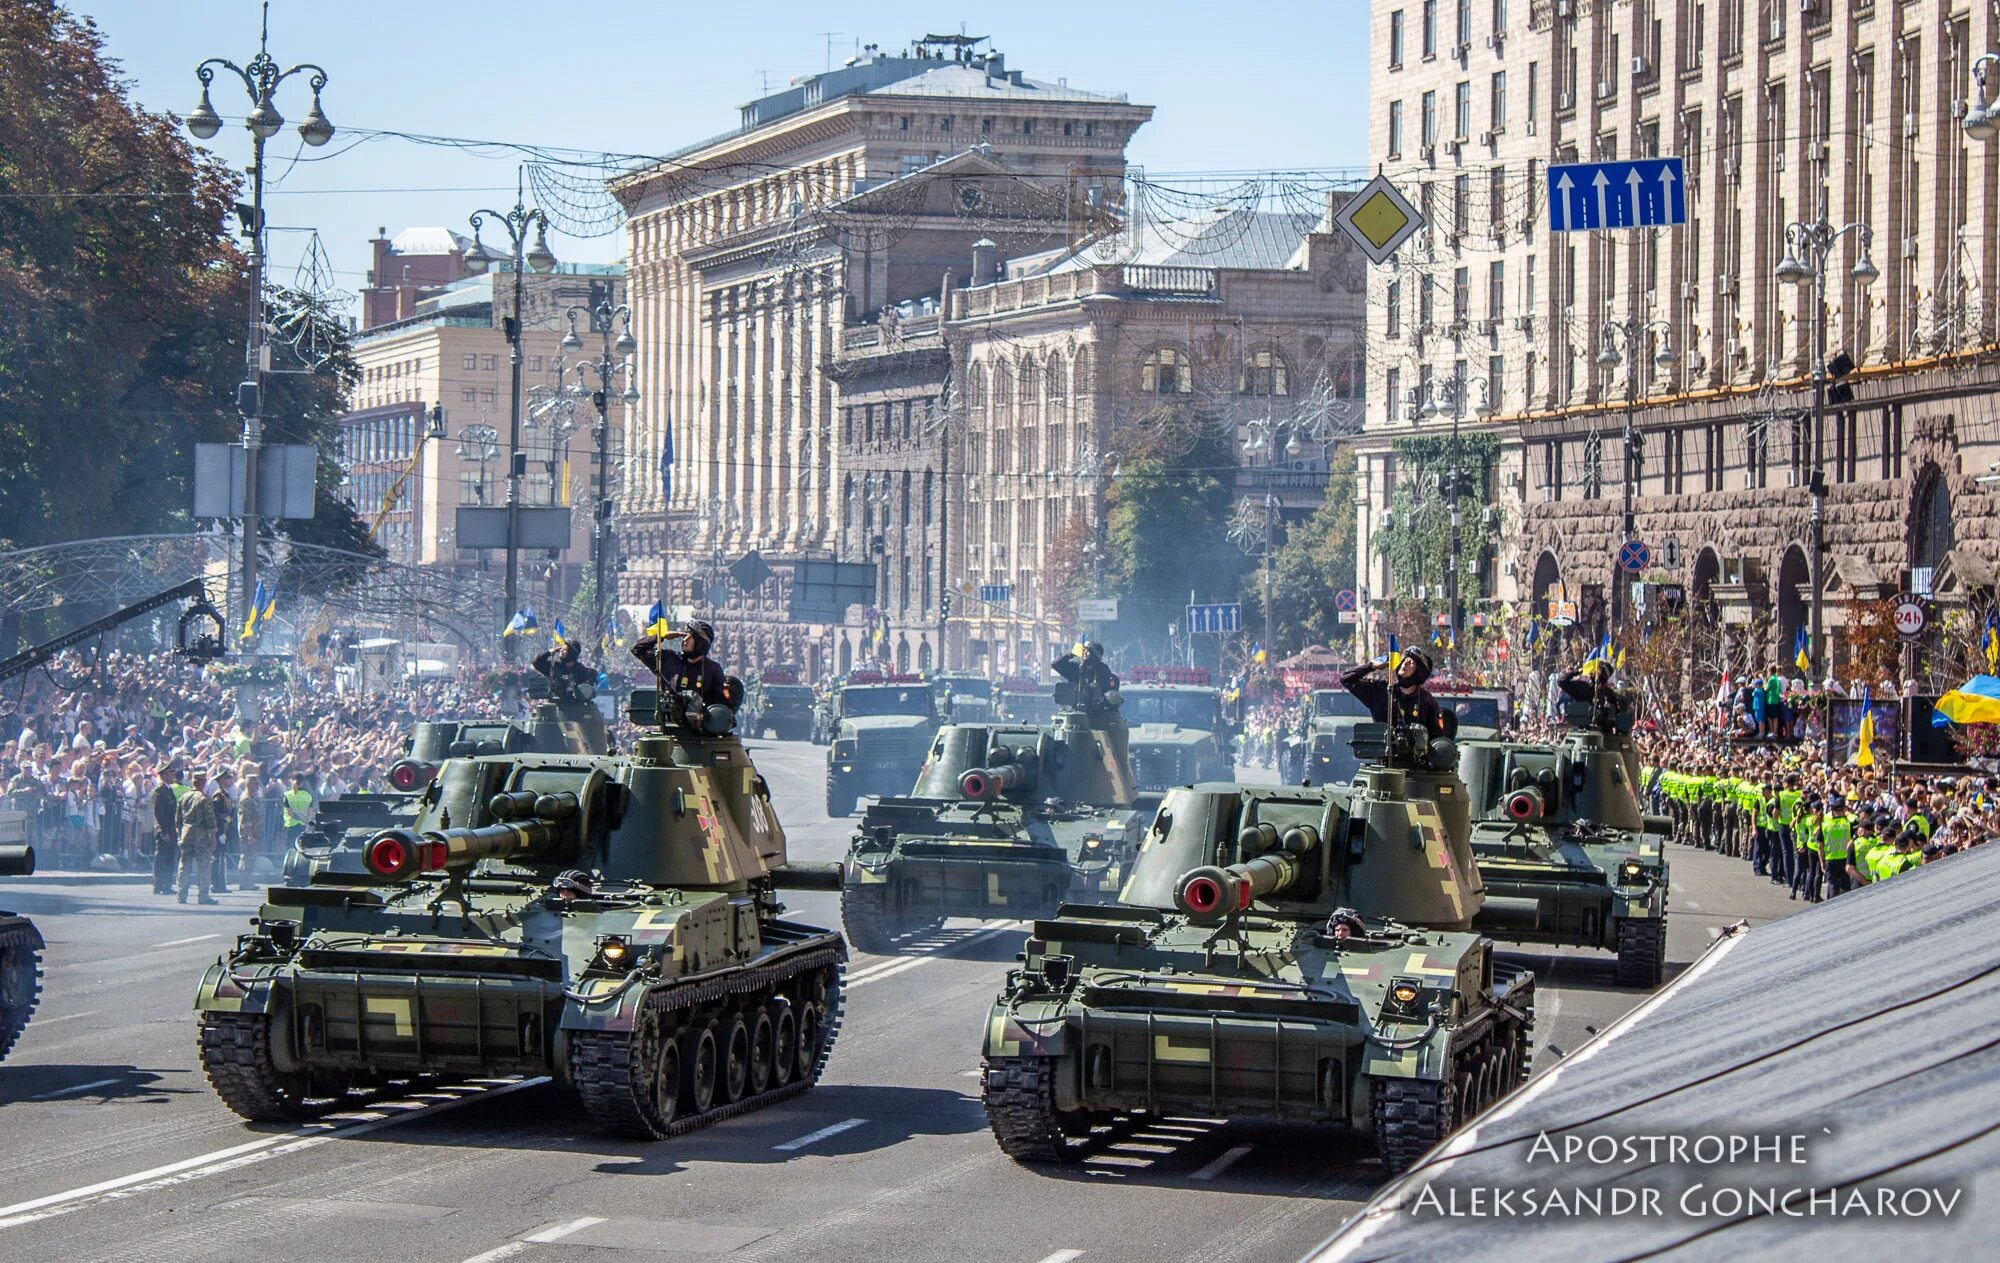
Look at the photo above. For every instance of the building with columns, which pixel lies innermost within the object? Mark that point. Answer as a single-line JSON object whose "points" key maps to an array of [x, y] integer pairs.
{"points": [[1781, 111], [846, 194]]}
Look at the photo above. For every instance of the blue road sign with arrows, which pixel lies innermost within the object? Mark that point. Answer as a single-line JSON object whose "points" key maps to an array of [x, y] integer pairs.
{"points": [[1220, 619], [1644, 193]]}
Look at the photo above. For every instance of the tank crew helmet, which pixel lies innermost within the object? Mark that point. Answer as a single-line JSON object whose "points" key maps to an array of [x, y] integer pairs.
{"points": [[573, 883], [698, 637], [1419, 664], [1093, 649]]}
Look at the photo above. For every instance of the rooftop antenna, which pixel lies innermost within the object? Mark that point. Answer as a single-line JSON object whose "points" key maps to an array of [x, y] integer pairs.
{"points": [[763, 82], [829, 37]]}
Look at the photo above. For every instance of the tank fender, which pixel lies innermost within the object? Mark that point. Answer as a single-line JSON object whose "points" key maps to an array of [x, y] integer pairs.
{"points": [[1031, 1028], [614, 1014], [1638, 905], [223, 988]]}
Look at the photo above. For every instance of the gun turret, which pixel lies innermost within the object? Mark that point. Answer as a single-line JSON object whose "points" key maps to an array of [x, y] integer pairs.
{"points": [[1526, 805], [1209, 892], [991, 782], [17, 861], [526, 826]]}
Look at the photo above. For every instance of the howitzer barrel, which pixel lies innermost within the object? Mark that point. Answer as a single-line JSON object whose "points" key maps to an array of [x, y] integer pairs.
{"points": [[1526, 804], [991, 782], [397, 854], [1214, 892], [17, 861], [797, 876]]}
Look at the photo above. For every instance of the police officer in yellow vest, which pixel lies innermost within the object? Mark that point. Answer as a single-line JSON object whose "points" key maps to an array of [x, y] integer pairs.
{"points": [[1836, 840], [1805, 851], [298, 808]]}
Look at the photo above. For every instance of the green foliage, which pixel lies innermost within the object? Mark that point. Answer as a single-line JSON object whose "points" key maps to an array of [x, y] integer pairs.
{"points": [[1417, 540], [1168, 536], [1309, 570]]}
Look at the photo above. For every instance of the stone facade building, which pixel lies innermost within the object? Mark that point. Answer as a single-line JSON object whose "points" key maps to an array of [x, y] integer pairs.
{"points": [[450, 354], [750, 253], [1779, 110]]}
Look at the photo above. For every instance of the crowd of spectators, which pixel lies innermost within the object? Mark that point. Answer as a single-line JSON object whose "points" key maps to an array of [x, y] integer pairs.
{"points": [[86, 743]]}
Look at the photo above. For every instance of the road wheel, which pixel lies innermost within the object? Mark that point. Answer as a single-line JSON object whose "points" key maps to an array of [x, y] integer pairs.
{"points": [[763, 1049], [630, 1081], [734, 1044], [784, 1042], [700, 1068]]}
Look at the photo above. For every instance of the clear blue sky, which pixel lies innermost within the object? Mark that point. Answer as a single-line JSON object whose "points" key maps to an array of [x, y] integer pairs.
{"points": [[1244, 86]]}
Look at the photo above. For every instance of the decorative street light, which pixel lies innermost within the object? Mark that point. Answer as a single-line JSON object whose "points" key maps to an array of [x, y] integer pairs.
{"points": [[260, 78], [1455, 388], [515, 223], [479, 443], [1808, 247], [1982, 115], [603, 319], [1629, 331]]}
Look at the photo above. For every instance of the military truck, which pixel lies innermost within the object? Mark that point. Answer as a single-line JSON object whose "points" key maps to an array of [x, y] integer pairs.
{"points": [[1558, 834], [1323, 753], [1290, 953], [778, 702], [612, 922], [964, 697], [1483, 713], [20, 942], [1021, 699], [882, 727], [1006, 820], [1178, 732]]}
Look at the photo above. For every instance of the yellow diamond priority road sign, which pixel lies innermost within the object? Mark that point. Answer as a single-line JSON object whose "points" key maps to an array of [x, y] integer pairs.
{"points": [[1378, 219]]}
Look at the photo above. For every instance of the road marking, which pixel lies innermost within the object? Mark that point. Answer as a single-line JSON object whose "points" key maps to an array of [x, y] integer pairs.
{"points": [[889, 969], [1063, 1256], [814, 1137], [198, 938], [44, 1022], [207, 1164], [559, 1231], [1221, 1164], [72, 1091]]}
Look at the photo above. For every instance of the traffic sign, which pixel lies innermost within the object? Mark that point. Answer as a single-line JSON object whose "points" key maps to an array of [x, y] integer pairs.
{"points": [[1644, 193], [1219, 619], [1347, 616], [1343, 600], [1097, 609], [996, 593], [1378, 219], [751, 571], [1670, 553], [1910, 616], [1634, 556]]}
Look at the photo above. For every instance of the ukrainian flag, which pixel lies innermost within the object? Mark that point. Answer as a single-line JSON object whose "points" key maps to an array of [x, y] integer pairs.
{"points": [[1802, 650], [260, 605], [1865, 755], [656, 621], [523, 621], [1977, 701], [558, 635], [1395, 654], [1991, 641], [1602, 653]]}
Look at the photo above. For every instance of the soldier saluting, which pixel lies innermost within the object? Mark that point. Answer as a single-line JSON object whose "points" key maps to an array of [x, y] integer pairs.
{"points": [[564, 667], [679, 660], [1406, 702]]}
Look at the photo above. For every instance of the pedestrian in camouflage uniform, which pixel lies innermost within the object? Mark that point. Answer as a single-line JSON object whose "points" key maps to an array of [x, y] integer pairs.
{"points": [[197, 838], [249, 822]]}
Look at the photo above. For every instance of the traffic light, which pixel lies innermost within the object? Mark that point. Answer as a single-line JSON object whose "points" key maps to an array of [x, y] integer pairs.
{"points": [[944, 606]]}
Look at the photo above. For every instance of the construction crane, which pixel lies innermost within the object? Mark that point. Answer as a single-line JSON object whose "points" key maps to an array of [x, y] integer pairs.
{"points": [[309, 638]]}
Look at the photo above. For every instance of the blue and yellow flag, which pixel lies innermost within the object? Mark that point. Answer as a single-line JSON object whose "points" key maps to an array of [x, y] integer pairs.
{"points": [[523, 621], [1620, 663], [1534, 634], [260, 607], [1990, 642], [656, 621], [1603, 651], [1802, 650], [558, 636], [1864, 756]]}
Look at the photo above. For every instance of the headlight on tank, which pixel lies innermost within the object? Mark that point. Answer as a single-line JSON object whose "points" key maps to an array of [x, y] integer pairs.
{"points": [[1093, 843], [1632, 873], [1405, 1001], [615, 953]]}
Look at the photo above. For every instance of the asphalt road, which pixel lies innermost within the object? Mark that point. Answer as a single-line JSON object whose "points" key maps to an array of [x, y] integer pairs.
{"points": [[112, 1147]]}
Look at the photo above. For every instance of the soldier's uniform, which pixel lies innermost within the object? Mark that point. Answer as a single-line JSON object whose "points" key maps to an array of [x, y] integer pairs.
{"points": [[249, 826], [197, 842]]}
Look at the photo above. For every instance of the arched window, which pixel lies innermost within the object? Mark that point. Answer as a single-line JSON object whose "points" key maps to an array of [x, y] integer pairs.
{"points": [[1031, 392], [1082, 379], [906, 498], [1058, 390], [1166, 372], [1931, 536], [1265, 375], [976, 391], [1003, 393]]}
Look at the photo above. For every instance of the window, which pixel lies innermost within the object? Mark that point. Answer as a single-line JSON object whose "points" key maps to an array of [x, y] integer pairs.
{"points": [[1528, 289], [470, 363], [1496, 289], [1461, 294], [1496, 196], [486, 396], [534, 363], [1425, 309], [1534, 91], [1395, 129], [1497, 104], [1027, 127], [1430, 31], [914, 162], [1395, 384], [1430, 136], [467, 395], [1462, 113], [1396, 40], [487, 363], [1464, 23], [1166, 372], [1496, 381], [1499, 16], [1461, 203], [903, 122], [944, 124], [1395, 309], [1265, 375]]}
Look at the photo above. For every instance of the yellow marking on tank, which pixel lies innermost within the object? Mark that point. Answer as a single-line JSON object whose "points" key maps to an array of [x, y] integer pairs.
{"points": [[656, 916], [993, 896], [397, 1011], [1167, 1048]]}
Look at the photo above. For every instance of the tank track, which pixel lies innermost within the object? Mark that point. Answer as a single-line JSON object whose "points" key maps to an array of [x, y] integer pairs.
{"points": [[1020, 1099], [602, 1065], [864, 916], [1412, 1116], [236, 1056], [1642, 953], [20, 980]]}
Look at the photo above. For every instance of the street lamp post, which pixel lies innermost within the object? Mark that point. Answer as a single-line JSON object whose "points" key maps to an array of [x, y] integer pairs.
{"points": [[1455, 388], [1808, 246], [1629, 331], [261, 78], [515, 223], [602, 319]]}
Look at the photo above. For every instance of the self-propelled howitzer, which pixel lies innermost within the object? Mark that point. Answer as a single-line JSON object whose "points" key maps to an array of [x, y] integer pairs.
{"points": [[1297, 953], [613, 922], [20, 942]]}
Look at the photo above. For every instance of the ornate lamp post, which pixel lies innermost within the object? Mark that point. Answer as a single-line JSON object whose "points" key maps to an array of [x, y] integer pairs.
{"points": [[1629, 331], [1455, 388], [603, 319]]}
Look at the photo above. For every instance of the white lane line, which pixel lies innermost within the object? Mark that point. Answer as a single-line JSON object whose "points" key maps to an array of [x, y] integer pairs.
{"points": [[814, 1137], [72, 1091], [1221, 1164], [42, 1023], [557, 1232], [198, 938], [494, 1255], [207, 1164], [1063, 1256], [875, 973]]}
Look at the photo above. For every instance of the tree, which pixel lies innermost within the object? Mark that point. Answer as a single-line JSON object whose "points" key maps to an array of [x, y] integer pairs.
{"points": [[117, 347], [1068, 574], [1168, 519], [1315, 563]]}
